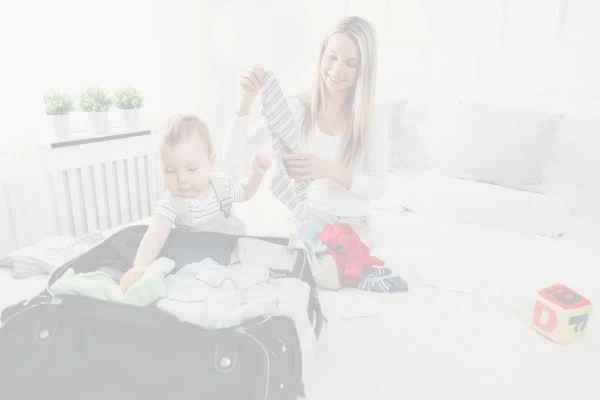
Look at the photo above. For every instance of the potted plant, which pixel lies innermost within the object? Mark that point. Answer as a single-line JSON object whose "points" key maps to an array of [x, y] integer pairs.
{"points": [[96, 102], [129, 100], [58, 107]]}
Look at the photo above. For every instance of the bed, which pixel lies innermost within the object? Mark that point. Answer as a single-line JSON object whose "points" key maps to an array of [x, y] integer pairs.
{"points": [[430, 343], [435, 343], [427, 343]]}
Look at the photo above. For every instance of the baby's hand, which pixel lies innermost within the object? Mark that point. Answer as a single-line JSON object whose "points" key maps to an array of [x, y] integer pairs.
{"points": [[130, 277], [260, 165]]}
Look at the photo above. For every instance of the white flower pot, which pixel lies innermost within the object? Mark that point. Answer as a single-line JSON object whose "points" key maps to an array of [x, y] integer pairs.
{"points": [[98, 122], [60, 125], [130, 119]]}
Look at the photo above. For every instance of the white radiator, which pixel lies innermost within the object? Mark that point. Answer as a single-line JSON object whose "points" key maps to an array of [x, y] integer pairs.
{"points": [[81, 188]]}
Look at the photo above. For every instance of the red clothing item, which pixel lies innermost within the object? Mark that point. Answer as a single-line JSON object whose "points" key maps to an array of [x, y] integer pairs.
{"points": [[348, 251]]}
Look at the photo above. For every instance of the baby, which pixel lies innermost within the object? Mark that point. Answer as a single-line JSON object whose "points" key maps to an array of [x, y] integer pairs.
{"points": [[194, 197]]}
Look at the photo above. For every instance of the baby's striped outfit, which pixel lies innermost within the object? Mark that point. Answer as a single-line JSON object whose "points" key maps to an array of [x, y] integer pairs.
{"points": [[285, 140]]}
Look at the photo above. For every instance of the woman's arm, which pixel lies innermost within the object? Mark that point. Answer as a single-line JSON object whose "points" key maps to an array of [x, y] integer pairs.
{"points": [[370, 182], [238, 138]]}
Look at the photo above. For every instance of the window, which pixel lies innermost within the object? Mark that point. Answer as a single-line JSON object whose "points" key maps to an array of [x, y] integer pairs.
{"points": [[70, 44]]}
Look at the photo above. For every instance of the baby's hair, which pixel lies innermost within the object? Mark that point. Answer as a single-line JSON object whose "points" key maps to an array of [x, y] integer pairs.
{"points": [[179, 127]]}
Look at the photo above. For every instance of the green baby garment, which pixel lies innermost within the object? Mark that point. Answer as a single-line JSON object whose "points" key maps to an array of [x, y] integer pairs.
{"points": [[99, 285]]}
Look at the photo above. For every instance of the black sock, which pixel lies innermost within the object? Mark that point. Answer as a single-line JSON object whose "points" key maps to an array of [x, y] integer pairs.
{"points": [[389, 284], [374, 271]]}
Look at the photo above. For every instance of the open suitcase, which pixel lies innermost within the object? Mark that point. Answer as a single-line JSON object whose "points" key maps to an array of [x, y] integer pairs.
{"points": [[81, 348]]}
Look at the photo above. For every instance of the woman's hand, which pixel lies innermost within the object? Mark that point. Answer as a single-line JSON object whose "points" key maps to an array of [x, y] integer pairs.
{"points": [[250, 81], [304, 167]]}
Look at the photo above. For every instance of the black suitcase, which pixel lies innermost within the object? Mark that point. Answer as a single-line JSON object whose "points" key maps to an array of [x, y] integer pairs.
{"points": [[82, 348]]}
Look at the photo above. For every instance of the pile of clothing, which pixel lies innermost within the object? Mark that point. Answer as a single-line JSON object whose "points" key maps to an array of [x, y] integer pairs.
{"points": [[355, 265], [256, 283]]}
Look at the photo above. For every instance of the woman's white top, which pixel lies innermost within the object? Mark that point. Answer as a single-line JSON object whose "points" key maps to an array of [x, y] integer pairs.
{"points": [[326, 195]]}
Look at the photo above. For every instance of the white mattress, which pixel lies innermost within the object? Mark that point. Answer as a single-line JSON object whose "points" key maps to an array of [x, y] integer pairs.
{"points": [[492, 253], [437, 344], [432, 343]]}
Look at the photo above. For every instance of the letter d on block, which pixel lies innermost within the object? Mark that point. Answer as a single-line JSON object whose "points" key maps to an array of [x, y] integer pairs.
{"points": [[561, 314], [540, 310]]}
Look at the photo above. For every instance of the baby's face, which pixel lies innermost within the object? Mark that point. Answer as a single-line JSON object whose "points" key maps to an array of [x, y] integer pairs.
{"points": [[187, 167]]}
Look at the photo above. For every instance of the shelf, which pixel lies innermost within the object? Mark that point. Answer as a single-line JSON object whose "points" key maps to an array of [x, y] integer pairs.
{"points": [[77, 140]]}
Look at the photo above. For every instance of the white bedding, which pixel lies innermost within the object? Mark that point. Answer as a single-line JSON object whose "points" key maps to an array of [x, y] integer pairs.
{"points": [[435, 194], [436, 344], [493, 253]]}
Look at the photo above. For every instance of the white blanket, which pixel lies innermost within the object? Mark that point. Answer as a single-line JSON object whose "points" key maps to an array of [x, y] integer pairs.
{"points": [[432, 343], [47, 255]]}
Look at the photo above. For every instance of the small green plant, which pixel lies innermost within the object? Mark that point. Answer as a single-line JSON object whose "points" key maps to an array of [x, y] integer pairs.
{"points": [[58, 103], [95, 99], [128, 98]]}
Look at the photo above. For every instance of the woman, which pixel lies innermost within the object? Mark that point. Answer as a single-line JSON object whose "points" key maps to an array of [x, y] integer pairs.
{"points": [[344, 145]]}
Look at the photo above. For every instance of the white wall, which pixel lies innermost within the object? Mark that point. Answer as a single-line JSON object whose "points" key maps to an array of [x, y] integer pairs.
{"points": [[157, 46], [429, 48], [542, 54], [541, 46], [536, 53], [284, 36], [185, 54]]}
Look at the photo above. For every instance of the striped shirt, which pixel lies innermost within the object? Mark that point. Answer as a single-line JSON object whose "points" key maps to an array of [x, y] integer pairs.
{"points": [[199, 212]]}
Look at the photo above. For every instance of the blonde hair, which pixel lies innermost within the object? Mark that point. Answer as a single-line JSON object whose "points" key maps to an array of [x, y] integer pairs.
{"points": [[178, 127], [360, 100]]}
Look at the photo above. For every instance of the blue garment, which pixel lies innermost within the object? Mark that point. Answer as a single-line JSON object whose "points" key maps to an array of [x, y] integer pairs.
{"points": [[308, 233]]}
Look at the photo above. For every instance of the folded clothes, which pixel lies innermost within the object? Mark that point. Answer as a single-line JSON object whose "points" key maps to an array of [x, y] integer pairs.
{"points": [[229, 306], [206, 279], [310, 257], [260, 253], [191, 270], [47, 255], [241, 276]]}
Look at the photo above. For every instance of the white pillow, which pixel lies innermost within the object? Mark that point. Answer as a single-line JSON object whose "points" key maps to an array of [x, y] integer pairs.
{"points": [[575, 163], [434, 140], [432, 193], [508, 146], [412, 148], [396, 185], [406, 147], [394, 112]]}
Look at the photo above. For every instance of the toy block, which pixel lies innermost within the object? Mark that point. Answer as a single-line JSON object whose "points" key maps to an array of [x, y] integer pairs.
{"points": [[561, 314]]}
